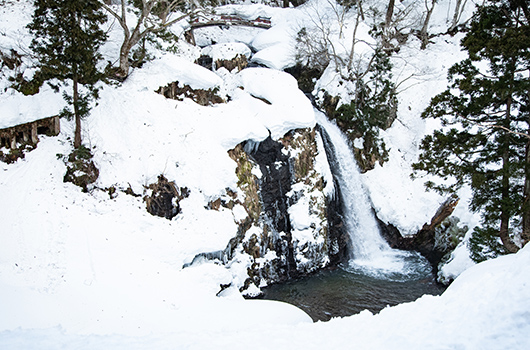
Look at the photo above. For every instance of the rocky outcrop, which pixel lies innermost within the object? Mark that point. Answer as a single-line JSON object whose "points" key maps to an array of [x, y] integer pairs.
{"points": [[435, 240], [162, 198], [288, 237], [240, 62], [305, 76], [286, 233], [203, 97], [80, 169]]}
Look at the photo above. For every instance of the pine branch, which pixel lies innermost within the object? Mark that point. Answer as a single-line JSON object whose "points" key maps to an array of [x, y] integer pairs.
{"points": [[511, 131]]}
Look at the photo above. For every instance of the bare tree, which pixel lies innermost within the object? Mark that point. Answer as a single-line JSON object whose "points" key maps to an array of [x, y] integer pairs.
{"points": [[147, 22], [459, 8], [389, 12], [316, 45], [424, 35]]}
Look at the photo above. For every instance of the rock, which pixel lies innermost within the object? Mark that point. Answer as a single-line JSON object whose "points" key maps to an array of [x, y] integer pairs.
{"points": [[428, 241], [203, 97], [164, 198], [240, 62], [285, 234], [80, 169]]}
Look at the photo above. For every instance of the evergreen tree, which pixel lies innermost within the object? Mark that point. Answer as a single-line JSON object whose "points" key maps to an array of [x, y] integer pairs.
{"points": [[485, 137], [372, 108], [67, 39]]}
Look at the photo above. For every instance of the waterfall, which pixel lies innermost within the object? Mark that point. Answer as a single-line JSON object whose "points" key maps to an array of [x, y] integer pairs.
{"points": [[368, 248]]}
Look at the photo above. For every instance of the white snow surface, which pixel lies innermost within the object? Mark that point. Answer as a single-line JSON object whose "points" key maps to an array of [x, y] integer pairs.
{"points": [[15, 108], [87, 271], [226, 51]]}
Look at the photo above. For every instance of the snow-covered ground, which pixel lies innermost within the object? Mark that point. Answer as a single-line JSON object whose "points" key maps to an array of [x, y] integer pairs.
{"points": [[87, 271]]}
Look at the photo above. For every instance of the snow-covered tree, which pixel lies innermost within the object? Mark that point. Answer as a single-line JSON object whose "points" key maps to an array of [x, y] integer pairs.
{"points": [[66, 43], [152, 16], [485, 139]]}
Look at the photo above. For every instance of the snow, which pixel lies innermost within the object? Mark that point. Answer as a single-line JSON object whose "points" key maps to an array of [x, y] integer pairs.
{"points": [[487, 307], [289, 108], [15, 108], [87, 271], [226, 51], [275, 47], [173, 68], [397, 199]]}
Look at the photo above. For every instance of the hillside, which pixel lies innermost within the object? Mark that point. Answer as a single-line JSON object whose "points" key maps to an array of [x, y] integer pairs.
{"points": [[94, 269]]}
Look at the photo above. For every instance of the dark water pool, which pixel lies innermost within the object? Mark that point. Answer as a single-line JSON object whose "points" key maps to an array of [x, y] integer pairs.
{"points": [[348, 290]]}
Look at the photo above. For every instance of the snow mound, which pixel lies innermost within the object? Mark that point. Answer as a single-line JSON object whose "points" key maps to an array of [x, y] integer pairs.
{"points": [[15, 108], [226, 51], [170, 68], [284, 107]]}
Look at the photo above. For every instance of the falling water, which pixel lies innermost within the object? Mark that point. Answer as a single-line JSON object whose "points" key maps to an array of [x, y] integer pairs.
{"points": [[376, 276], [369, 251]]}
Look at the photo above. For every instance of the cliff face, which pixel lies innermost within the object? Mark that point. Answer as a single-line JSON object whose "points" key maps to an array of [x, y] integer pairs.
{"points": [[288, 234], [284, 231]]}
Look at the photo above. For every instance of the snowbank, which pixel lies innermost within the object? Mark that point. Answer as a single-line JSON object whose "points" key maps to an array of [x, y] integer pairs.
{"points": [[487, 307], [92, 271], [15, 108]]}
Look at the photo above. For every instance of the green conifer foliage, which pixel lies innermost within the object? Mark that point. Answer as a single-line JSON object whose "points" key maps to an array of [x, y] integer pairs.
{"points": [[484, 140], [373, 107], [67, 37]]}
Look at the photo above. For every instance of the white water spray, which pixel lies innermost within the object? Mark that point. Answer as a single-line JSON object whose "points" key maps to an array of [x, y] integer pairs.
{"points": [[369, 250]]}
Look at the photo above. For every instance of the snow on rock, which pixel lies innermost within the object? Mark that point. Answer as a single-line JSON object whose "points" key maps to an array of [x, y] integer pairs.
{"points": [[186, 141], [285, 107], [226, 51], [15, 108], [299, 214], [459, 262], [170, 68], [275, 47], [85, 271], [278, 57]]}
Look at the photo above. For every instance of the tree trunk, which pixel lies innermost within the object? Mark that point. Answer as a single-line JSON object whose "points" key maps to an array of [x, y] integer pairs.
{"points": [[125, 50], [504, 230], [77, 137], [389, 13], [456, 15], [525, 235], [424, 35], [387, 33], [523, 5]]}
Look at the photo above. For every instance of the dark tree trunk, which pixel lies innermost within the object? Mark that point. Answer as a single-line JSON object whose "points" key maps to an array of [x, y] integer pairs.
{"points": [[456, 15], [523, 5], [525, 235], [504, 230], [77, 137], [424, 35], [389, 13], [124, 59]]}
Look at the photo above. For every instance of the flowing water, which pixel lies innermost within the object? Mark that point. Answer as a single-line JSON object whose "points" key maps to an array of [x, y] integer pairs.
{"points": [[376, 275]]}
